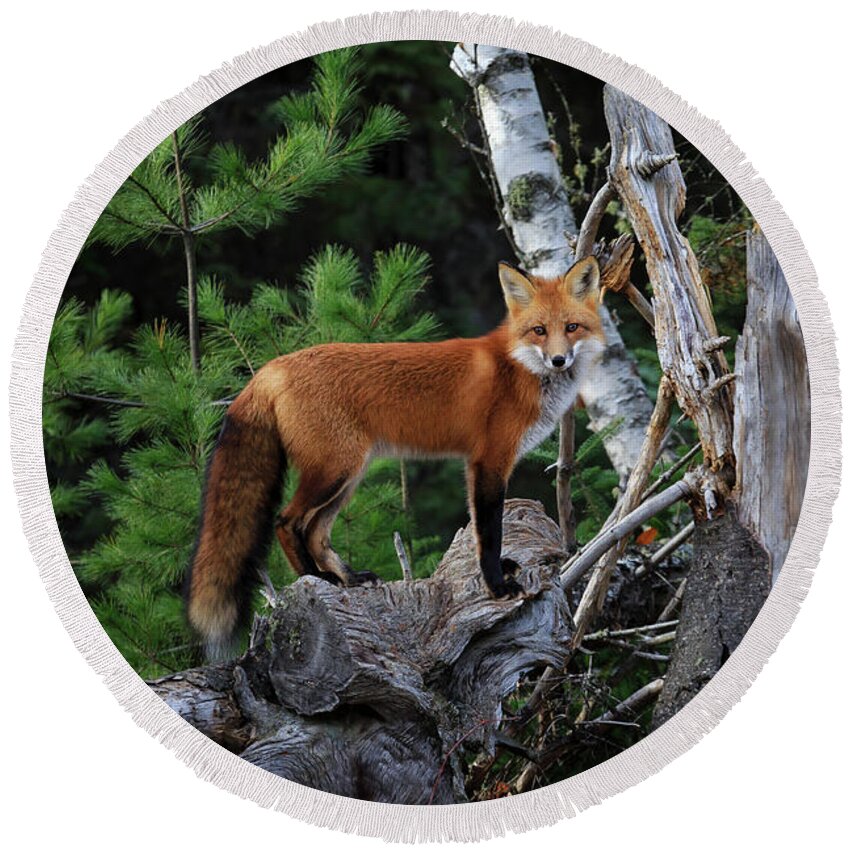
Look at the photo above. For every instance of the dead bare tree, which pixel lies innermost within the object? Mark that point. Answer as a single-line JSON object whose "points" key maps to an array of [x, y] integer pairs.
{"points": [[729, 578]]}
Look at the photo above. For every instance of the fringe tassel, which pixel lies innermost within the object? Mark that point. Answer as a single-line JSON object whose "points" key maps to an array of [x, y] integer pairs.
{"points": [[471, 821]]}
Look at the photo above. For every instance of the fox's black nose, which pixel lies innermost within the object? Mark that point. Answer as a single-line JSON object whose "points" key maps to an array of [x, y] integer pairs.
{"points": [[558, 360]]}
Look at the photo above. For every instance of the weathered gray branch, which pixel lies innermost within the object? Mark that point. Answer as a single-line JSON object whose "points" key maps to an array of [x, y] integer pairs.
{"points": [[592, 220], [403, 560], [576, 567], [672, 544], [616, 259], [668, 473], [366, 691], [684, 324], [594, 594], [564, 489]]}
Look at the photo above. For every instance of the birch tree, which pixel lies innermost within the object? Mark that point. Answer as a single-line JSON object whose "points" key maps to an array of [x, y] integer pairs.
{"points": [[538, 219]]}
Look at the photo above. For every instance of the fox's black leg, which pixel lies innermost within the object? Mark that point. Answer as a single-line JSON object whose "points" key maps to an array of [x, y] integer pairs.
{"points": [[292, 543], [487, 500], [510, 567]]}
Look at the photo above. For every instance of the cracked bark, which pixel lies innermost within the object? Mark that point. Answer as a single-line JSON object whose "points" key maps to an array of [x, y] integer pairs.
{"points": [[727, 584], [772, 406]]}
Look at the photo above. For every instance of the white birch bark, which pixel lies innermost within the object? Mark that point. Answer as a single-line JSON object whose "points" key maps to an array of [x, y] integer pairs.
{"points": [[536, 208]]}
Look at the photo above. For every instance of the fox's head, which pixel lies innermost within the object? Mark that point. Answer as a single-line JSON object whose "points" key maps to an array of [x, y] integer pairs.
{"points": [[553, 321]]}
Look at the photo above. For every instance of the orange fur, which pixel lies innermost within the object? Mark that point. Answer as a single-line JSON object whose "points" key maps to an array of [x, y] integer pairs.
{"points": [[330, 409]]}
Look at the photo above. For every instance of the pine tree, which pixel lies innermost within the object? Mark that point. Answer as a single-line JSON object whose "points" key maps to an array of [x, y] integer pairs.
{"points": [[326, 138], [159, 392]]}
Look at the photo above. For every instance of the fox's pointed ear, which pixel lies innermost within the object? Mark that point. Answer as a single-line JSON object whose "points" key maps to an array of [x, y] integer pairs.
{"points": [[582, 280], [516, 285]]}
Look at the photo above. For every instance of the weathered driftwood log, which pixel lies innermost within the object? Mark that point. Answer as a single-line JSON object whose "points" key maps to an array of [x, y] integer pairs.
{"points": [[368, 692], [537, 212], [729, 578], [205, 698], [772, 406]]}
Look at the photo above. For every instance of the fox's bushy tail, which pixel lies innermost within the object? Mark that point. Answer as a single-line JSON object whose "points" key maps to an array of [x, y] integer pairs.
{"points": [[243, 488]]}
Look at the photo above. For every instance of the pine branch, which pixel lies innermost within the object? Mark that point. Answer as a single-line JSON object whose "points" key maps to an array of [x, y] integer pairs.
{"points": [[122, 402], [154, 200]]}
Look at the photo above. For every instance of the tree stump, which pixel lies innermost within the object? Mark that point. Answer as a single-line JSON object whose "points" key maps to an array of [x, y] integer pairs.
{"points": [[370, 692], [772, 406]]}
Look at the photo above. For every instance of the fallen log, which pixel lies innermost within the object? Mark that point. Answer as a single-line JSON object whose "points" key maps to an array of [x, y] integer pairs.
{"points": [[368, 691]]}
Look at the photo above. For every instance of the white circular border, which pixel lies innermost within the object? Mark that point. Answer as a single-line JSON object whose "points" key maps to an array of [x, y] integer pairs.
{"points": [[466, 821]]}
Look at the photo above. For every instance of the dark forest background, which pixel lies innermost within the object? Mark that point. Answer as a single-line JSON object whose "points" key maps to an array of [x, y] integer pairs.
{"points": [[423, 189]]}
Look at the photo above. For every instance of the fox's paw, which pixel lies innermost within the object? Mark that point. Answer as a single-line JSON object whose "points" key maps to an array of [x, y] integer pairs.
{"points": [[330, 578], [508, 588], [363, 577], [510, 567]]}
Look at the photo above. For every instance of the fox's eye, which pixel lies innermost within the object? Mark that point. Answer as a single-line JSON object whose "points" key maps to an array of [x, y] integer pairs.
{"points": [[539, 330], [572, 327]]}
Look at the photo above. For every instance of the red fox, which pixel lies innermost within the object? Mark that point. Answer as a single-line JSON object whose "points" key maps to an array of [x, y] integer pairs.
{"points": [[330, 409]]}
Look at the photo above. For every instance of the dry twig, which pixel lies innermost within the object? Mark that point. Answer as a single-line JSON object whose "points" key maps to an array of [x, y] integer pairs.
{"points": [[401, 552]]}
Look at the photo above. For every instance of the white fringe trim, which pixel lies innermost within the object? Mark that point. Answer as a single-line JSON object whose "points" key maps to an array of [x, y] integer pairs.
{"points": [[469, 821]]}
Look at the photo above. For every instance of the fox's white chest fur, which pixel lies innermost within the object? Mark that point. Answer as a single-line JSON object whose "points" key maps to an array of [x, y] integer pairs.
{"points": [[557, 392]]}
